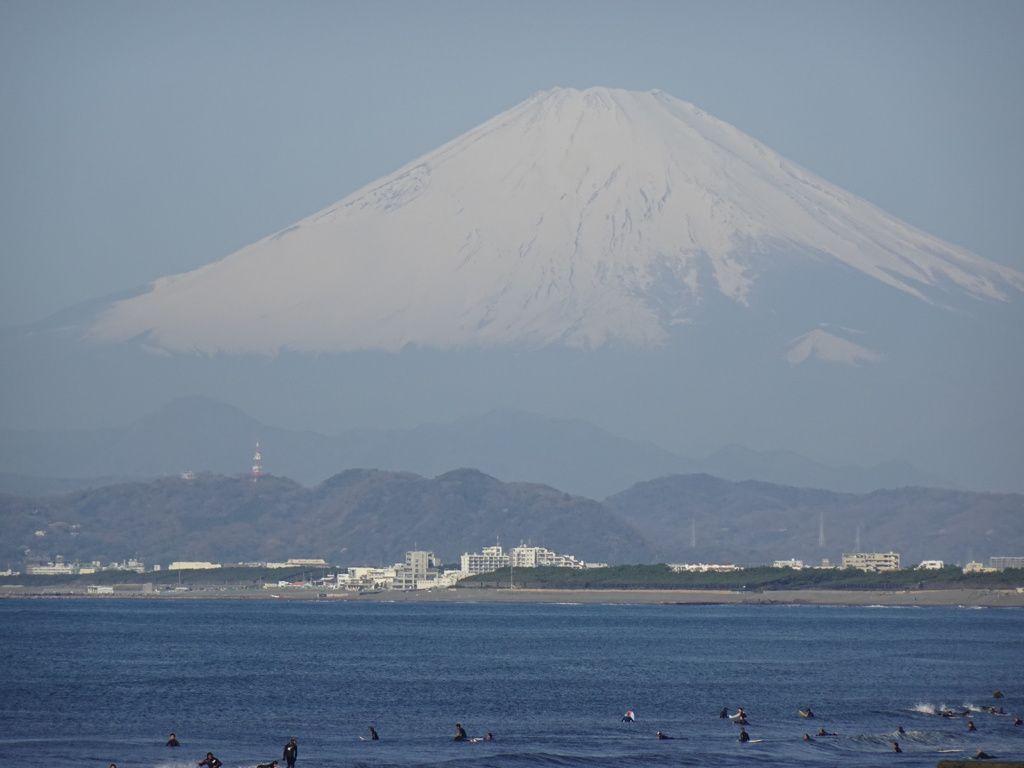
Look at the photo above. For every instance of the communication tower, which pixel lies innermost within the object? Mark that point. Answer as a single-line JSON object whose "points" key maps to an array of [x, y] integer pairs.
{"points": [[257, 463]]}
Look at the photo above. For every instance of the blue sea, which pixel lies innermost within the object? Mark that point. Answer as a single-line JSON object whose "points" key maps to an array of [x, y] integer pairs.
{"points": [[95, 682]]}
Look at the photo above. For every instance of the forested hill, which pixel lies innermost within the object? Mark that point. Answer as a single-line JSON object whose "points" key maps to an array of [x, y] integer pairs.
{"points": [[700, 517], [372, 517], [359, 517]]}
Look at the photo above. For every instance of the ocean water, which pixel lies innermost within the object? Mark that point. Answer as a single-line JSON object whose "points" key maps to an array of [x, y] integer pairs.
{"points": [[95, 682]]}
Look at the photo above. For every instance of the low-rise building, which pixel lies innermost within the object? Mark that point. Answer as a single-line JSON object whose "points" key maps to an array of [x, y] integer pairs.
{"points": [[192, 565], [794, 564], [1002, 563], [931, 565], [52, 569], [872, 561], [703, 568], [976, 567]]}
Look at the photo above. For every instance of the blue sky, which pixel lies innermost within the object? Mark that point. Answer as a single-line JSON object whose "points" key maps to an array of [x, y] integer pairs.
{"points": [[144, 139]]}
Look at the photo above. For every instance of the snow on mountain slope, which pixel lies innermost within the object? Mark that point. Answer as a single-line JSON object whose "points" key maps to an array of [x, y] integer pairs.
{"points": [[829, 348], [577, 217]]}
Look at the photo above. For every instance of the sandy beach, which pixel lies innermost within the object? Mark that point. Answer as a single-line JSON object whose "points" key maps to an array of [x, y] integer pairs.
{"points": [[966, 598]]}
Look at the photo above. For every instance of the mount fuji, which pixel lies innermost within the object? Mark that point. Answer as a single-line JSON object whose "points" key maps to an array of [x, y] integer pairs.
{"points": [[613, 256], [577, 218]]}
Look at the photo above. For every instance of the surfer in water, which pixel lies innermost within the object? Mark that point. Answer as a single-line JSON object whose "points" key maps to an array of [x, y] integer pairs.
{"points": [[291, 751], [744, 736], [970, 725], [460, 733], [210, 761], [724, 713], [271, 764], [807, 737], [629, 717], [806, 713], [823, 732], [373, 734], [172, 742], [896, 747], [661, 735]]}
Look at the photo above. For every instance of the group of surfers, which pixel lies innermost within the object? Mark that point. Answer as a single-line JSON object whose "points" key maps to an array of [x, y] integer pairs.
{"points": [[740, 718]]}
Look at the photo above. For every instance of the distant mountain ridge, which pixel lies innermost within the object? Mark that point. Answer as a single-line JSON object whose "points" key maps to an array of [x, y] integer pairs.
{"points": [[201, 434], [372, 517]]}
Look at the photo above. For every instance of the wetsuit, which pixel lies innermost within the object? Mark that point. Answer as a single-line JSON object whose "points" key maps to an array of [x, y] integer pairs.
{"points": [[461, 734], [373, 735], [211, 762], [744, 736], [172, 742], [291, 751]]}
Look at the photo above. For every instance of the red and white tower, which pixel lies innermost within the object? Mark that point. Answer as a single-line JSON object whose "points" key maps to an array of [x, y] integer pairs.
{"points": [[257, 464]]}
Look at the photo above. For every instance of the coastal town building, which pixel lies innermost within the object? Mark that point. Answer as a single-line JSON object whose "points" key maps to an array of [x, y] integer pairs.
{"points": [[931, 565], [1002, 563], [61, 568], [794, 564], [703, 568], [494, 558], [193, 565], [52, 569], [976, 567], [872, 561]]}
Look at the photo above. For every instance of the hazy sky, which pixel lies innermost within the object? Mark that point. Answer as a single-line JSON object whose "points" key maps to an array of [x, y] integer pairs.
{"points": [[144, 139]]}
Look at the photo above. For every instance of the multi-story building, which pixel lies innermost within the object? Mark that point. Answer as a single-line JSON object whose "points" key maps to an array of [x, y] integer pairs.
{"points": [[531, 557], [491, 559], [419, 570], [494, 559], [52, 569], [872, 561], [1002, 563]]}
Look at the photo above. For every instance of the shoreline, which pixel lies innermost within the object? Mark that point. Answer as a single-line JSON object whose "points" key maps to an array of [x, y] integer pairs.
{"points": [[950, 598]]}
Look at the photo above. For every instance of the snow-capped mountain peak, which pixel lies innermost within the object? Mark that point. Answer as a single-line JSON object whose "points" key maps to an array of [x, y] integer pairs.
{"points": [[577, 217]]}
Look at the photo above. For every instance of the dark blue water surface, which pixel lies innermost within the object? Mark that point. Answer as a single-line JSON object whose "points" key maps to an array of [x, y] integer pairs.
{"points": [[95, 682]]}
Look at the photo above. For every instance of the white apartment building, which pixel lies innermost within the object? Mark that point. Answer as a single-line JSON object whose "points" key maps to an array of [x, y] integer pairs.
{"points": [[494, 559], [52, 569], [702, 568], [491, 559], [189, 565], [1002, 563], [531, 557], [872, 561]]}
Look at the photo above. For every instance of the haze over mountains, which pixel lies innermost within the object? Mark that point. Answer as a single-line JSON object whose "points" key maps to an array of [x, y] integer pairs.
{"points": [[202, 435], [617, 257]]}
